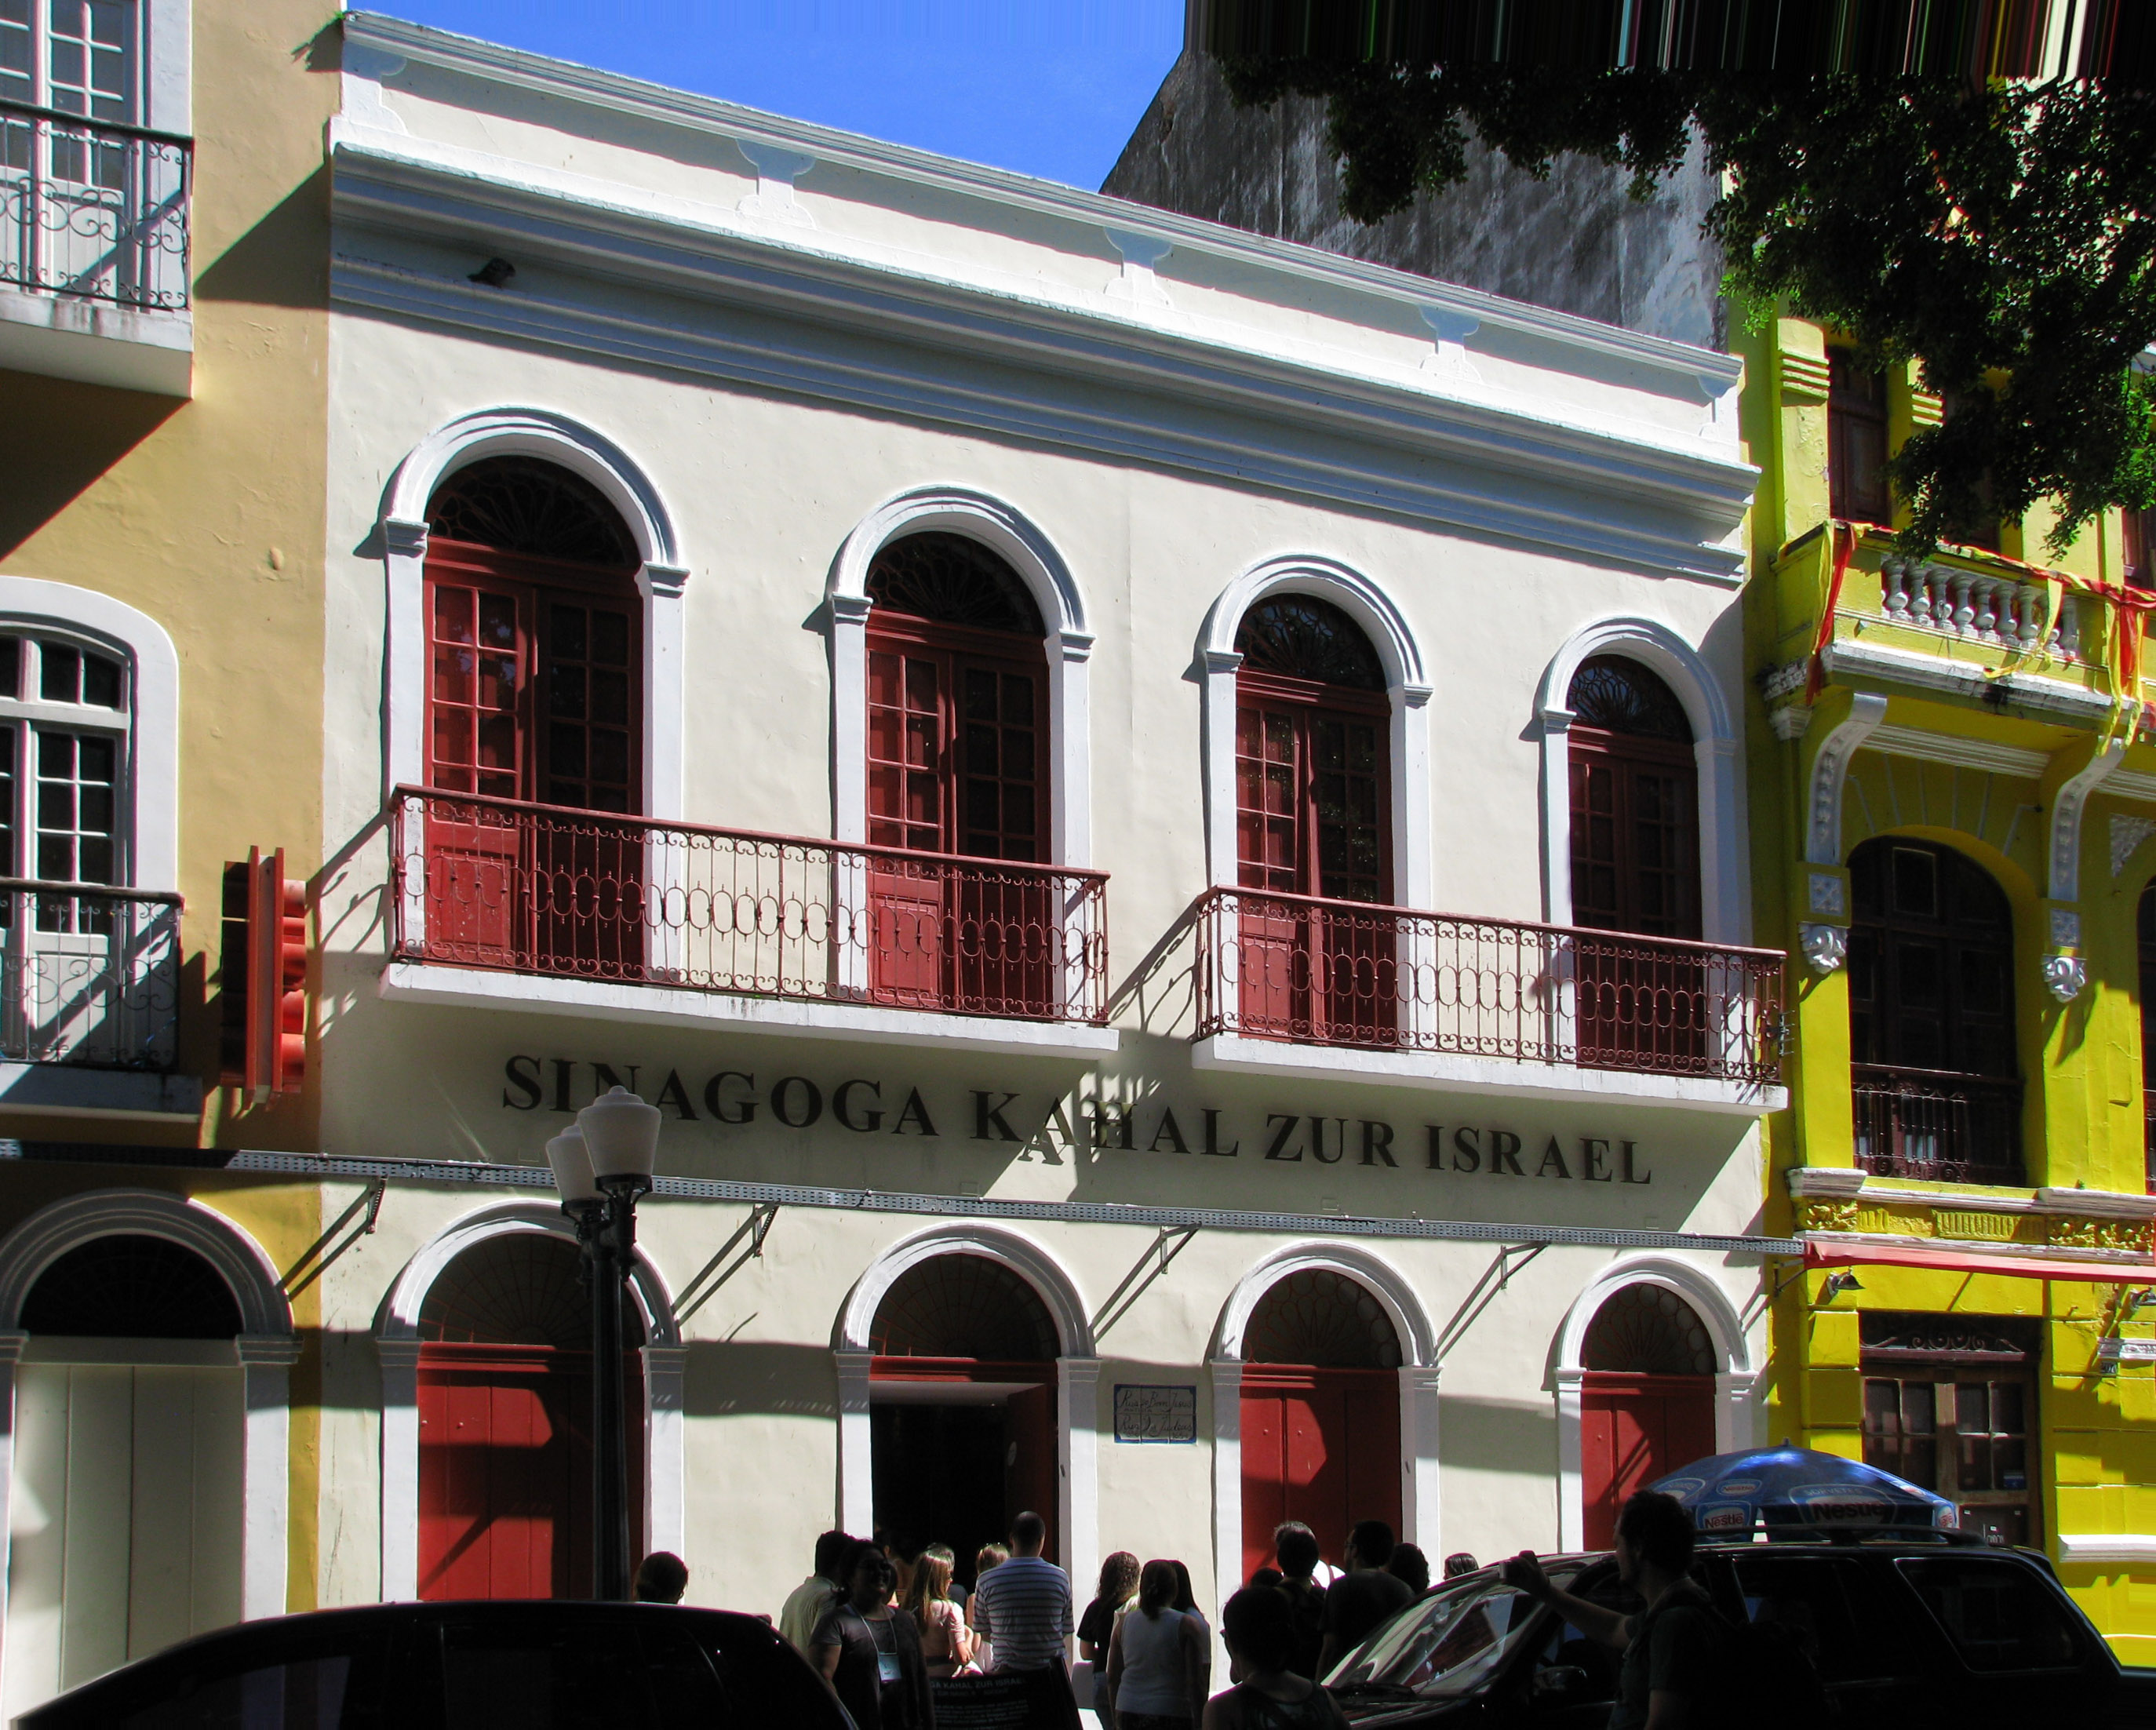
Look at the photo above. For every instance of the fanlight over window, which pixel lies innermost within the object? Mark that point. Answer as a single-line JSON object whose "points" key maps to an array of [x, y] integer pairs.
{"points": [[1317, 1317], [519, 503], [1648, 1331], [1301, 637], [953, 579], [1621, 696], [520, 1289], [961, 1306], [132, 1286]]}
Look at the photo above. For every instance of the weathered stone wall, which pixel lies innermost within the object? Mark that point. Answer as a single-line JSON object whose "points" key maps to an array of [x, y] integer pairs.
{"points": [[1577, 242]]}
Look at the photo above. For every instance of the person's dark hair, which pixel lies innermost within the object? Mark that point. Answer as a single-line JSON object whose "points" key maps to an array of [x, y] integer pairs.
{"points": [[661, 1577], [1119, 1578], [1373, 1542], [832, 1549], [1157, 1589], [1186, 1600], [1029, 1532], [1408, 1563], [1461, 1562], [1295, 1545], [1260, 1626], [869, 1559], [1268, 1577], [1658, 1528]]}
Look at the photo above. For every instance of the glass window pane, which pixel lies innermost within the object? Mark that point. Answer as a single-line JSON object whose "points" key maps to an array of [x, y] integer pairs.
{"points": [[100, 681], [1999, 1616], [60, 667]]}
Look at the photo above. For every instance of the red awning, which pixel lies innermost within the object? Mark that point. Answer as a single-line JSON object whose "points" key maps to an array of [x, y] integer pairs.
{"points": [[1978, 1261]]}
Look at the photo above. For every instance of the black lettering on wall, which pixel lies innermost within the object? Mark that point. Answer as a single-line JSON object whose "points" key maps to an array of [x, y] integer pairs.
{"points": [[603, 1077], [988, 1125], [1629, 1149], [1282, 1136], [1213, 1137], [1436, 1146], [1552, 1156], [914, 1112], [1466, 1156], [1111, 1125], [1377, 1143], [812, 1105], [1598, 1157], [565, 1077], [675, 1094], [522, 1072], [1317, 1140], [738, 1111], [1171, 1130], [1504, 1153], [871, 1118]]}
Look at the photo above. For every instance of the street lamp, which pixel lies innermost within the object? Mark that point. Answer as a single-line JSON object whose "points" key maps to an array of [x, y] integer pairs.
{"points": [[601, 1166]]}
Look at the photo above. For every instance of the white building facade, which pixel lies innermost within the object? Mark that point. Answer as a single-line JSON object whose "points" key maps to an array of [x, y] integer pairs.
{"points": [[968, 693]]}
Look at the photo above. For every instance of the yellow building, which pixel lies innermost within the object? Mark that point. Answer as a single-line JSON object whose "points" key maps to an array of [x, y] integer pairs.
{"points": [[1953, 809], [163, 329]]}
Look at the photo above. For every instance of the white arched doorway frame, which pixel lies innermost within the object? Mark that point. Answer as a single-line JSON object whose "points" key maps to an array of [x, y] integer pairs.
{"points": [[264, 1350], [397, 1345], [660, 577], [1407, 689], [1417, 1376], [1735, 1379], [1077, 1375], [1021, 544], [1724, 893]]}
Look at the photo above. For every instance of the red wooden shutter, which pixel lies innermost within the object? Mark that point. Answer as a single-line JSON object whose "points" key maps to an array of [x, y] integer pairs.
{"points": [[264, 1042], [908, 806]]}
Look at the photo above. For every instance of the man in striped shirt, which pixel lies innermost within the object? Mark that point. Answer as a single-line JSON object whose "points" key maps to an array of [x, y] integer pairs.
{"points": [[1023, 1606]]}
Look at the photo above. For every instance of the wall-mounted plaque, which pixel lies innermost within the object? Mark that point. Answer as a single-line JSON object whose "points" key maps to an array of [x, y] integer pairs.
{"points": [[1156, 1415]]}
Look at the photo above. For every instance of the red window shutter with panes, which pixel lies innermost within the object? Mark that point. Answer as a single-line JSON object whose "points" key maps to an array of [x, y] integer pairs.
{"points": [[957, 729], [1313, 818], [534, 697]]}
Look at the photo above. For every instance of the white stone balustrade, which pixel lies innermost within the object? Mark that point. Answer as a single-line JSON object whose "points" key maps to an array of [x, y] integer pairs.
{"points": [[2000, 611]]}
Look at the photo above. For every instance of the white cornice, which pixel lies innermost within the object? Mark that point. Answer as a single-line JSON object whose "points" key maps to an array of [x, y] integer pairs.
{"points": [[1715, 373], [2127, 785], [1846, 1184], [1258, 410], [1958, 752], [1934, 672]]}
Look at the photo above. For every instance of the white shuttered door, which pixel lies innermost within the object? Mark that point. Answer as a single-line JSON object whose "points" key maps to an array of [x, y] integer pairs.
{"points": [[126, 1524]]}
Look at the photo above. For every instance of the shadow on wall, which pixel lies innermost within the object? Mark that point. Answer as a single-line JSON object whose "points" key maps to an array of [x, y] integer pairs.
{"points": [[1507, 1436], [283, 259], [58, 438]]}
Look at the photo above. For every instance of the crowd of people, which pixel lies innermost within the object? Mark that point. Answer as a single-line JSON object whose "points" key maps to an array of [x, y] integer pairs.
{"points": [[883, 1622]]}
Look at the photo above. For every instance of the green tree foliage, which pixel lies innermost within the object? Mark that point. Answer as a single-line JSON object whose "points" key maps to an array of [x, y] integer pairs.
{"points": [[1999, 235]]}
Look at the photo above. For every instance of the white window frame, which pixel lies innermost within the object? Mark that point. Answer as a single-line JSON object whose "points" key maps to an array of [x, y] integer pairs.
{"points": [[159, 94], [35, 715]]}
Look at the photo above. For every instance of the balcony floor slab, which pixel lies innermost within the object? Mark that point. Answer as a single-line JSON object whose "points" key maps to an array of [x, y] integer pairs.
{"points": [[669, 1006], [68, 336], [60, 1090], [1449, 1072]]}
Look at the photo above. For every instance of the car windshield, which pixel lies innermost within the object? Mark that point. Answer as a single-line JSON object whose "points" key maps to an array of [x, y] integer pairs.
{"points": [[1446, 1643]]}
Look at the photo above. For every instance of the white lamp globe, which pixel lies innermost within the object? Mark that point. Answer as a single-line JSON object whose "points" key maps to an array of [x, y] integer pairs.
{"points": [[622, 1132], [572, 1160]]}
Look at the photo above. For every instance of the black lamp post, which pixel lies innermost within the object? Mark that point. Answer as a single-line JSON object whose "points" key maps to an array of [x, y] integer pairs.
{"points": [[600, 1167]]}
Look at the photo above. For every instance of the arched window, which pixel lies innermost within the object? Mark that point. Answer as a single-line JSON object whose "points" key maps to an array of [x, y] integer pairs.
{"points": [[1321, 1411], [535, 696], [1313, 810], [1647, 1399], [1634, 803], [505, 1397], [1933, 1063], [958, 763], [130, 1286], [962, 1405]]}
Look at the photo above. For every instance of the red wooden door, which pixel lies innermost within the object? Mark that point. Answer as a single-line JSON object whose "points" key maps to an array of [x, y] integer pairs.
{"points": [[505, 1470], [1313, 803], [957, 764], [1633, 1430], [1319, 1445]]}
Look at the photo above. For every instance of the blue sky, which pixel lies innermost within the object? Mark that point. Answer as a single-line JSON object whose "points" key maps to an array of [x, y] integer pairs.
{"points": [[1047, 87]]}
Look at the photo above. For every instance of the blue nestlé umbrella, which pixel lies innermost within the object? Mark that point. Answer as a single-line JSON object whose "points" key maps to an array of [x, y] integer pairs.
{"points": [[1788, 1490]]}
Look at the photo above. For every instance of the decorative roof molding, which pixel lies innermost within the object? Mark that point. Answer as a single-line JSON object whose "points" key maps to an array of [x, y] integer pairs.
{"points": [[635, 99], [1959, 753], [1844, 1183]]}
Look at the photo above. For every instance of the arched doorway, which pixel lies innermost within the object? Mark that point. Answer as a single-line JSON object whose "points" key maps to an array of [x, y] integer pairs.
{"points": [[1320, 1412], [1635, 796], [963, 1405], [128, 1498], [504, 1403], [1647, 1399], [535, 696], [1313, 820], [1933, 1065]]}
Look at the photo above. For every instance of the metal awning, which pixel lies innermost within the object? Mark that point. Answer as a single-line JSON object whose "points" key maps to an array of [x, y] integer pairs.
{"points": [[1832, 1253]]}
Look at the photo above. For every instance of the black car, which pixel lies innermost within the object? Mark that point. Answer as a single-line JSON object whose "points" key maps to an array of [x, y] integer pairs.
{"points": [[544, 1665], [1902, 1632]]}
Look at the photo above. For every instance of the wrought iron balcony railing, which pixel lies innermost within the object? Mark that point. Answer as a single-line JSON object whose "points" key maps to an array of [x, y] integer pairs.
{"points": [[92, 975], [537, 889], [1347, 973], [92, 208], [1936, 1125]]}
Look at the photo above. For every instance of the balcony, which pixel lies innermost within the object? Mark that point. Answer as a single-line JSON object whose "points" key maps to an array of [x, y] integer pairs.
{"points": [[1292, 984], [94, 245], [507, 904], [1960, 623], [1938, 1127], [89, 1012]]}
